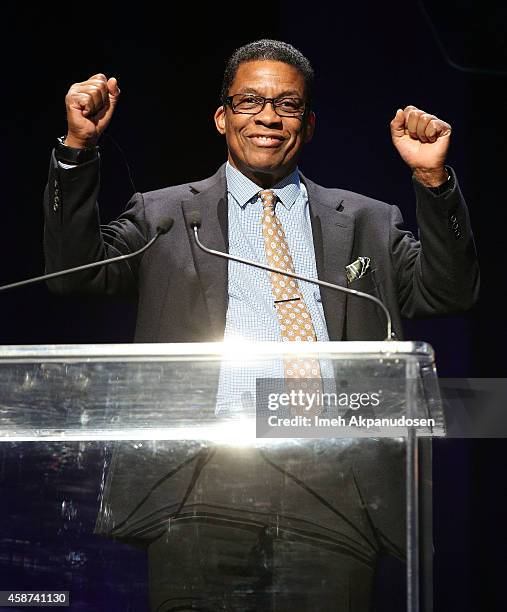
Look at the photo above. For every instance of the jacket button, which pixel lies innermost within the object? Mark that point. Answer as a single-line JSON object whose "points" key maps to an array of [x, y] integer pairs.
{"points": [[453, 218]]}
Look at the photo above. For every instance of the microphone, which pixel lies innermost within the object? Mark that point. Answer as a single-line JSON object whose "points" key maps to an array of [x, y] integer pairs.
{"points": [[162, 228], [195, 223]]}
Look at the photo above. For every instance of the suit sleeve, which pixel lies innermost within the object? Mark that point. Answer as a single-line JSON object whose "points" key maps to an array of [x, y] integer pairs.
{"points": [[437, 274], [73, 234]]}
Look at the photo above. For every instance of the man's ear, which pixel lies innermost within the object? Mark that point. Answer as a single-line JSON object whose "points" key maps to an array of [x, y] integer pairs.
{"points": [[309, 126], [220, 119]]}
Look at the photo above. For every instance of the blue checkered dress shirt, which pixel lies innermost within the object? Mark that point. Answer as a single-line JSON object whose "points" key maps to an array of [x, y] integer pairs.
{"points": [[251, 314]]}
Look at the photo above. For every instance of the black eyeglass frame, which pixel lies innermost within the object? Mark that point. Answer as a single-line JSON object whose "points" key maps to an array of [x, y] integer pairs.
{"points": [[228, 102]]}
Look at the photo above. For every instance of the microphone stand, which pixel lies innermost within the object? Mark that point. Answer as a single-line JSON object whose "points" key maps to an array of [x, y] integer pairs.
{"points": [[162, 229], [195, 227]]}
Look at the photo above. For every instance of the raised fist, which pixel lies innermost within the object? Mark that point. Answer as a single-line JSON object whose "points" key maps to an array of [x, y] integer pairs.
{"points": [[422, 140], [90, 106]]}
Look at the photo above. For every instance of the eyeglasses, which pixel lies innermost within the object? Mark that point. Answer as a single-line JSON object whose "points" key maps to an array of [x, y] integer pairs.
{"points": [[249, 104]]}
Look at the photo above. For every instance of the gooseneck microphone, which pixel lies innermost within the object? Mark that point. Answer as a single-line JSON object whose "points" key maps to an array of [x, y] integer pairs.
{"points": [[195, 223], [162, 228]]}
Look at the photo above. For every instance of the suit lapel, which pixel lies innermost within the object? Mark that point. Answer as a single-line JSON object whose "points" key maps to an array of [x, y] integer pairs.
{"points": [[211, 204], [333, 233]]}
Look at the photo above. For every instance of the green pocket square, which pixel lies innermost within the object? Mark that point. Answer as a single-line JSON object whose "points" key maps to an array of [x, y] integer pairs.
{"points": [[357, 269]]}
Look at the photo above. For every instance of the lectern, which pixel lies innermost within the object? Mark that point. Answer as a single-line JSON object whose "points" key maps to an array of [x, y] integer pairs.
{"points": [[241, 494]]}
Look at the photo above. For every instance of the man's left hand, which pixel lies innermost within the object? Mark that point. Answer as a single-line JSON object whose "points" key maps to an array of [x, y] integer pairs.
{"points": [[422, 140]]}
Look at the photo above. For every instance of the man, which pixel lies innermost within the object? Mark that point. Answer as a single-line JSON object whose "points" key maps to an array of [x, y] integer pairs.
{"points": [[266, 118], [291, 530]]}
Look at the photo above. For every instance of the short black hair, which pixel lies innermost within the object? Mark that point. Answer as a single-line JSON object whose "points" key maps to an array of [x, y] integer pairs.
{"points": [[266, 49]]}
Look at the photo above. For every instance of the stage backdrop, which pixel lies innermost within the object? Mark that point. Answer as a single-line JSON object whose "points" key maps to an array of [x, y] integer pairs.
{"points": [[370, 58]]}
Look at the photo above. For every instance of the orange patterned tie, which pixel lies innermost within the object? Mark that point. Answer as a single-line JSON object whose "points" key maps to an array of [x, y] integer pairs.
{"points": [[295, 320]]}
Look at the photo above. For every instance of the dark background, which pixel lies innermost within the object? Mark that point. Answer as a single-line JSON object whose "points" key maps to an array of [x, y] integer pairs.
{"points": [[449, 58]]}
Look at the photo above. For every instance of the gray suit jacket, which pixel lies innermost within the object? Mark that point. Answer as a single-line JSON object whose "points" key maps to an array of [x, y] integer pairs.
{"points": [[182, 291]]}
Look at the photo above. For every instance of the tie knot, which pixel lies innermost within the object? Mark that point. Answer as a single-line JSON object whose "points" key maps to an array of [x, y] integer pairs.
{"points": [[268, 199]]}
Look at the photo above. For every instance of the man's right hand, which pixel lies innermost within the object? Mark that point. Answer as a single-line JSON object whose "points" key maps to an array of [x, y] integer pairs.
{"points": [[90, 106]]}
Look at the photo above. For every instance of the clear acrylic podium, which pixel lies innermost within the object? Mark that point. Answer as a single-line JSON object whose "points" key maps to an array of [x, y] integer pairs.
{"points": [[169, 449]]}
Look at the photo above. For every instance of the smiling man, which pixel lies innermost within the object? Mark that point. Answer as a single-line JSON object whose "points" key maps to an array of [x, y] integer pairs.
{"points": [[266, 117], [265, 148], [259, 206]]}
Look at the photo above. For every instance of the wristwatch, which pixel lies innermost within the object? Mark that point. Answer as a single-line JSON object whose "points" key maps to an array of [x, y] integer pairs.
{"points": [[71, 155], [445, 187]]}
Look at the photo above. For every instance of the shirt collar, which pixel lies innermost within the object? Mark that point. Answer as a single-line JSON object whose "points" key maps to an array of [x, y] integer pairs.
{"points": [[243, 190]]}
